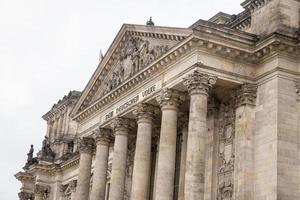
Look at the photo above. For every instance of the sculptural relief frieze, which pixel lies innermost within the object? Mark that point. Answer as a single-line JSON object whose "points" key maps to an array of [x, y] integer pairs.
{"points": [[136, 54]]}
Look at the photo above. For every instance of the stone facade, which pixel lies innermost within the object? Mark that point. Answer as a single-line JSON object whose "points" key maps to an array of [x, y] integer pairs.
{"points": [[209, 112]]}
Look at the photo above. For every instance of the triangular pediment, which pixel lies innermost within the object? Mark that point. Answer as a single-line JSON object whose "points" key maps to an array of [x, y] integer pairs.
{"points": [[134, 48]]}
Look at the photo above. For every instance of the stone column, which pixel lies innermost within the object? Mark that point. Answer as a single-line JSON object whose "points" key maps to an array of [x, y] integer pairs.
{"points": [[121, 128], [142, 160], [184, 132], [86, 146], [198, 85], [169, 101], [103, 139], [243, 164]]}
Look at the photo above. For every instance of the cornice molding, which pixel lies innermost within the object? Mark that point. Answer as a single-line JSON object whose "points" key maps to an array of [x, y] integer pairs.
{"points": [[253, 54], [24, 176], [114, 50], [61, 106], [253, 5]]}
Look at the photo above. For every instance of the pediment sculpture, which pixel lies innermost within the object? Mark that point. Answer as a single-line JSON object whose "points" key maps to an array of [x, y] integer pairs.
{"points": [[136, 54]]}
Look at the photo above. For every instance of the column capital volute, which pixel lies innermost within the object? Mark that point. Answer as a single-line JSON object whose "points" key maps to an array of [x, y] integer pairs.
{"points": [[103, 136], [199, 83], [122, 124], [246, 95], [170, 98], [145, 112], [86, 145]]}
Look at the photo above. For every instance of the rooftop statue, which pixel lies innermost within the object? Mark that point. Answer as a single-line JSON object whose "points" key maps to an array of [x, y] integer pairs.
{"points": [[47, 153], [30, 159]]}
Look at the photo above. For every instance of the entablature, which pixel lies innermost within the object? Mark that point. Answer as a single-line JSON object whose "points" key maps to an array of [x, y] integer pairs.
{"points": [[228, 43]]}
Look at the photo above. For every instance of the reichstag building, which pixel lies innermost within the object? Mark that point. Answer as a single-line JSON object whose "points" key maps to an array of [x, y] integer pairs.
{"points": [[208, 112]]}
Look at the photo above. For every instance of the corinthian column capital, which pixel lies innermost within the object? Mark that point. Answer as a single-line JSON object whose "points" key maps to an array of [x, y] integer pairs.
{"points": [[104, 136], [170, 98], [145, 112], [121, 124], [199, 83], [86, 145], [246, 95]]}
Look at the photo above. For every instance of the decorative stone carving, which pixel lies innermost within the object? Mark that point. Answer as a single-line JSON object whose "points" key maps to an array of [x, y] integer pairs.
{"points": [[129, 170], [67, 190], [73, 185], [86, 145], [104, 136], [47, 154], [42, 190], [134, 56], [25, 196], [145, 111], [170, 98], [199, 83], [226, 158], [30, 159], [121, 124], [246, 95]]}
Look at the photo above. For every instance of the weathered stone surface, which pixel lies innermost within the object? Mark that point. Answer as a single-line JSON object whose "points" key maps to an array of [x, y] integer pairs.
{"points": [[243, 138]]}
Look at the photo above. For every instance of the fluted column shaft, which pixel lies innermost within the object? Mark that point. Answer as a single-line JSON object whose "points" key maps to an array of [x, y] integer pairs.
{"points": [[243, 164], [142, 160], [121, 129], [169, 101], [198, 85], [103, 139], [86, 146]]}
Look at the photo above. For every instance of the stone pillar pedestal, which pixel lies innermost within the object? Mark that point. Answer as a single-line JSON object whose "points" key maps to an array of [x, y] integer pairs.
{"points": [[86, 146], [243, 164], [169, 101], [198, 85], [103, 139], [121, 128], [142, 160]]}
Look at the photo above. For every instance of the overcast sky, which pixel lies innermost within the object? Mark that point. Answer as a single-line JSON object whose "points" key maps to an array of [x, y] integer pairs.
{"points": [[49, 47]]}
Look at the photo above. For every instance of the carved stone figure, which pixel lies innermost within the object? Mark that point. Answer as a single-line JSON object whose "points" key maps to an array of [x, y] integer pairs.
{"points": [[30, 154], [47, 153], [30, 159], [134, 56]]}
